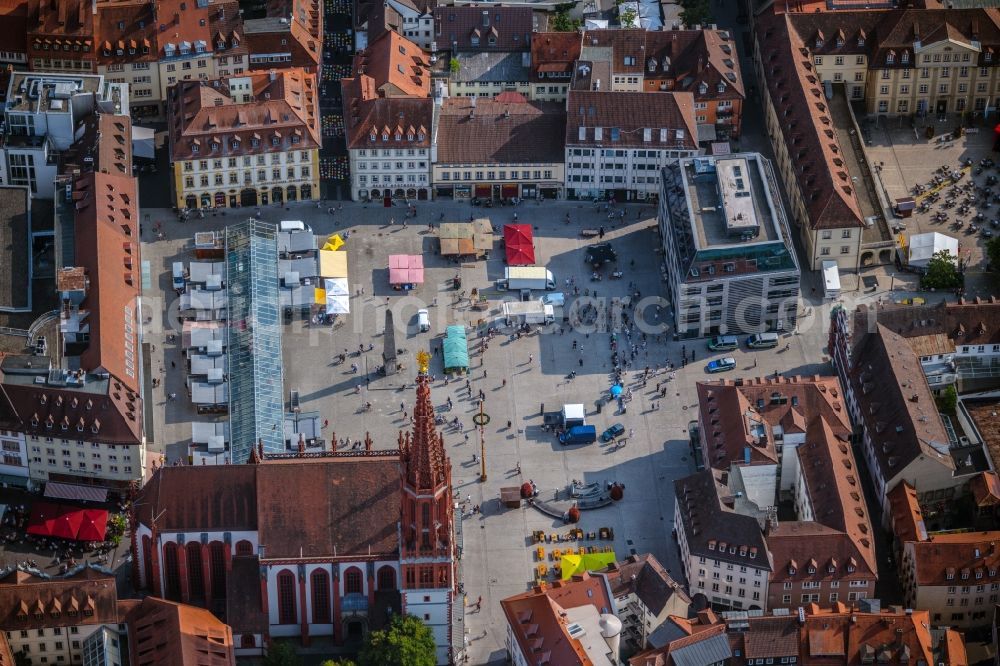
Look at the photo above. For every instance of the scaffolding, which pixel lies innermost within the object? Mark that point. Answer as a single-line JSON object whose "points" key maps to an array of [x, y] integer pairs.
{"points": [[256, 375]]}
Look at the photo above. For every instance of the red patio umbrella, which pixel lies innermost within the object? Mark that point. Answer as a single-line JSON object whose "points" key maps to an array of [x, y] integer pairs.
{"points": [[94, 525], [67, 524], [519, 244]]}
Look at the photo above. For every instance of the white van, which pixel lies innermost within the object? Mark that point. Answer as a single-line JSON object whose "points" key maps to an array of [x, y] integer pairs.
{"points": [[178, 273], [423, 321]]}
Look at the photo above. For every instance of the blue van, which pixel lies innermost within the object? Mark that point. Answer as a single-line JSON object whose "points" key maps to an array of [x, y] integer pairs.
{"points": [[581, 434]]}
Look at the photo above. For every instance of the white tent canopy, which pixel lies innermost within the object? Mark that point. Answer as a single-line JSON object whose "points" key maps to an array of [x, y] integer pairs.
{"points": [[337, 287], [337, 304], [925, 246]]}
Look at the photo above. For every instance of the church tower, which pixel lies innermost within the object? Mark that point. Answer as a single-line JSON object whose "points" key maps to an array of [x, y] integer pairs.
{"points": [[427, 550]]}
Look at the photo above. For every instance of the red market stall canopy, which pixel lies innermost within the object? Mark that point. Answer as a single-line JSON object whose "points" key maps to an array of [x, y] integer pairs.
{"points": [[519, 244], [406, 269], [67, 522]]}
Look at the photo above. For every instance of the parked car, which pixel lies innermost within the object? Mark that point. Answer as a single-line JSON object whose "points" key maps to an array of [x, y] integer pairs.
{"points": [[721, 365], [611, 433], [724, 343], [581, 434], [762, 341]]}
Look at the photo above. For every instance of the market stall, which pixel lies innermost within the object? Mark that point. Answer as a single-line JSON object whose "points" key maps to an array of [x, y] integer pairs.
{"points": [[519, 244], [466, 239], [456, 350], [406, 271]]}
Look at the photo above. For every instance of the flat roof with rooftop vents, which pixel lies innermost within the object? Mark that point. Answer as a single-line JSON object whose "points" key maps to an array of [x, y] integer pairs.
{"points": [[39, 93]]}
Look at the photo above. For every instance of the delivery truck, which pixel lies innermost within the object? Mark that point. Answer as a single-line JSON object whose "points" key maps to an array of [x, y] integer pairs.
{"points": [[526, 277], [528, 312]]}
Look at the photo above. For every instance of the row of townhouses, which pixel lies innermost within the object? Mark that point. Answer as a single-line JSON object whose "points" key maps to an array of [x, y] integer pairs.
{"points": [[153, 45]]}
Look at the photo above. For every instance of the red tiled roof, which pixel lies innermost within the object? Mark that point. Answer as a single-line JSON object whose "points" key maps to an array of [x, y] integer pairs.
{"points": [[690, 59], [510, 28], [86, 597], [797, 95], [309, 507], [185, 21], [905, 514], [554, 52], [329, 507], [985, 488], [628, 43], [492, 131], [14, 25], [125, 31], [207, 122], [896, 403], [536, 618], [301, 36], [107, 247], [166, 633], [369, 117], [970, 554], [399, 67], [212, 498], [631, 113]]}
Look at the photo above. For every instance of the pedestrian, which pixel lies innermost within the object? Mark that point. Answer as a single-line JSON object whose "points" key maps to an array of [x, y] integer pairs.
{"points": [[531, 357], [173, 364], [466, 438], [326, 422], [402, 406], [508, 428], [504, 382], [581, 362]]}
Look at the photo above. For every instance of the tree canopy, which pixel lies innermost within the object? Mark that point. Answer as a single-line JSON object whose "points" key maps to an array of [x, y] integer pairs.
{"points": [[405, 642], [281, 654], [696, 12], [942, 272]]}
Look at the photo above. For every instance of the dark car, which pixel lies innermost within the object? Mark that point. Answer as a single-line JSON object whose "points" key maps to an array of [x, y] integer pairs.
{"points": [[611, 433]]}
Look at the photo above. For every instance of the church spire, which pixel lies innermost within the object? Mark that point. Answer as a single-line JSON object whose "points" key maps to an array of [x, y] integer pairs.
{"points": [[426, 462]]}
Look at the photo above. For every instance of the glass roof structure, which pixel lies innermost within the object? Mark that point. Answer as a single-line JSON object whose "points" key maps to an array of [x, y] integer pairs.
{"points": [[256, 376]]}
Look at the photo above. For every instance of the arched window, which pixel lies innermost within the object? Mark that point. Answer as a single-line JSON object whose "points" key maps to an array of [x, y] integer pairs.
{"points": [[248, 641], [353, 581], [172, 571], [147, 561], [217, 555], [196, 574], [386, 578], [244, 548], [286, 598], [319, 582]]}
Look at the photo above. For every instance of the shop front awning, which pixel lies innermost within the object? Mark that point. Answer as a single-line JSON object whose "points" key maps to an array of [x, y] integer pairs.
{"points": [[70, 491]]}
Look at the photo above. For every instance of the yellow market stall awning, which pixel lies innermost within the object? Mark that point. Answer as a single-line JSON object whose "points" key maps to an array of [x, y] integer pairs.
{"points": [[575, 564], [333, 243], [332, 264]]}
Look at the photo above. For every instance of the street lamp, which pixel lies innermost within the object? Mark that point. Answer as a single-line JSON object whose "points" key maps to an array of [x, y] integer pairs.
{"points": [[481, 419]]}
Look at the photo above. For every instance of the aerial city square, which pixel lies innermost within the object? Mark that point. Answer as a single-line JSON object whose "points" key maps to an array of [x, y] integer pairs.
{"points": [[428, 332]]}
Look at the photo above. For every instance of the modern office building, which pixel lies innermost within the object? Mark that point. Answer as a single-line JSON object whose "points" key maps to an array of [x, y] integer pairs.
{"points": [[730, 264]]}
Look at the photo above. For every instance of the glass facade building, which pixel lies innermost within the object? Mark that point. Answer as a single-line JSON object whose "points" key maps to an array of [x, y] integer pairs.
{"points": [[256, 377]]}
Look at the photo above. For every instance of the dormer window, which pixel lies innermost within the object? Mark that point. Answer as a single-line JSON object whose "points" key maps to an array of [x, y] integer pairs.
{"points": [[420, 136], [988, 56], [234, 144], [295, 138], [861, 41], [950, 574], [220, 44], [811, 570], [275, 141], [850, 568], [254, 142], [979, 574], [840, 42], [195, 148], [904, 57], [702, 88], [409, 136], [398, 136], [372, 136], [819, 42], [721, 88], [791, 570], [385, 137], [965, 574], [890, 58]]}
